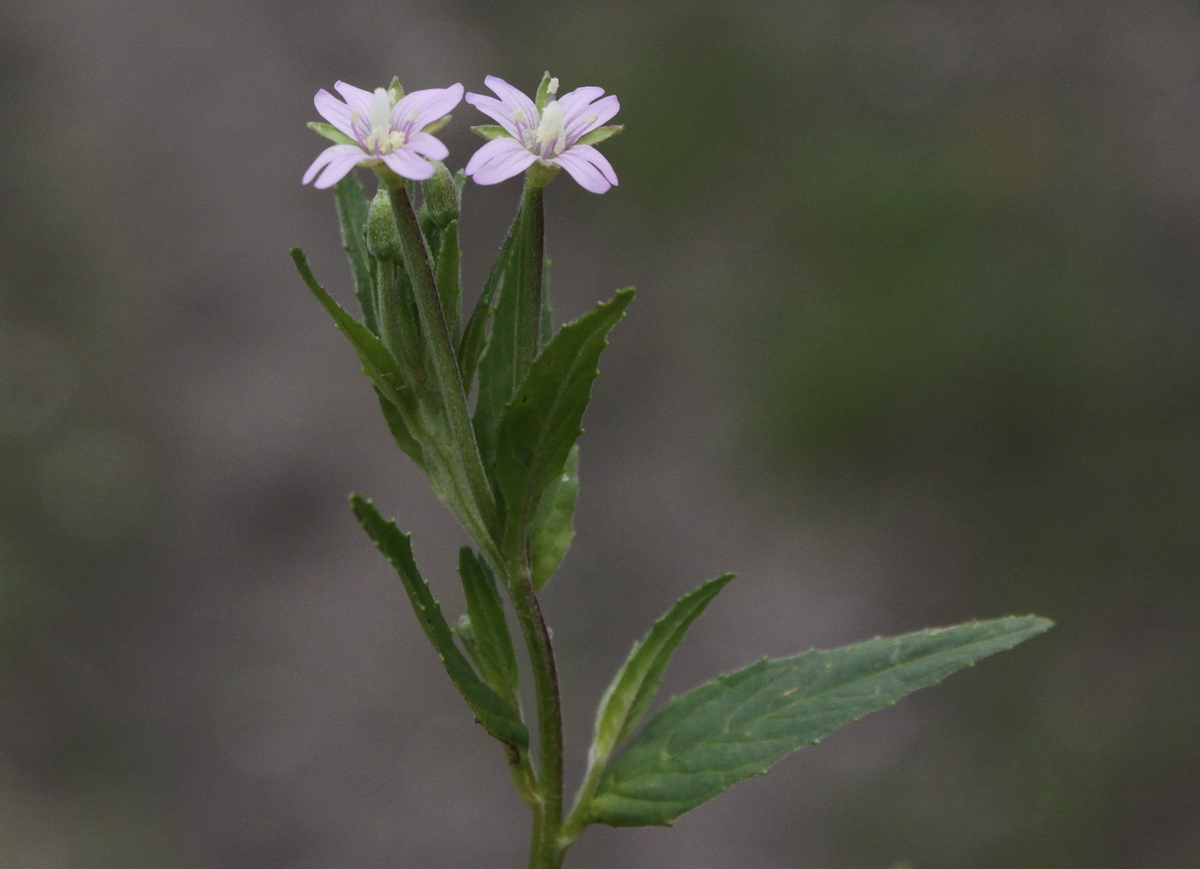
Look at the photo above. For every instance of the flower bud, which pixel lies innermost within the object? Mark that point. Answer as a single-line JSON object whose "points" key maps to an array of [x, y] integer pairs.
{"points": [[383, 239], [441, 197]]}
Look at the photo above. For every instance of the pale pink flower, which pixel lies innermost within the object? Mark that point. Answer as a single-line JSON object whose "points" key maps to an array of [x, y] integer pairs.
{"points": [[550, 136], [382, 129]]}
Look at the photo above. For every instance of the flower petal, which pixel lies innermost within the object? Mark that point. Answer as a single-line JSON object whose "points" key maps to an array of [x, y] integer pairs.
{"points": [[333, 164], [421, 108], [408, 164], [497, 111], [588, 167], [333, 110], [330, 155], [579, 97], [512, 97], [499, 160], [356, 98], [428, 146], [584, 118]]}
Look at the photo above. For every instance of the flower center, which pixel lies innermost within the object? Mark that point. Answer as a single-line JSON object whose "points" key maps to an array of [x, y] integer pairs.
{"points": [[550, 139], [382, 139]]}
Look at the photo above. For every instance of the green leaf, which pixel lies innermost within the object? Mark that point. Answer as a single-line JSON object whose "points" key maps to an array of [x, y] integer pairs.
{"points": [[352, 209], [553, 526], [633, 688], [493, 652], [499, 718], [378, 362], [474, 337], [739, 724], [600, 134], [329, 131], [542, 421], [400, 431], [449, 278], [497, 366]]}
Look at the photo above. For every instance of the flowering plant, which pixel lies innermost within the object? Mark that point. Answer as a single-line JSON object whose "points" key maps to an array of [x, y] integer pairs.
{"points": [[506, 464]]}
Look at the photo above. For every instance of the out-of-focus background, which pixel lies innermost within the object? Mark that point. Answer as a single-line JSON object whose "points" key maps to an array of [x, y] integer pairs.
{"points": [[918, 341]]}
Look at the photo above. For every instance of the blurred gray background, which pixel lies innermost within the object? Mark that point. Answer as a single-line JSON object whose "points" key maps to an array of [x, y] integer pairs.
{"points": [[917, 342]]}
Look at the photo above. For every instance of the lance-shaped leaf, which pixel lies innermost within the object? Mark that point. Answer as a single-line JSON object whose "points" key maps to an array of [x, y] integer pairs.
{"points": [[542, 421], [474, 337], [400, 432], [378, 362], [493, 646], [553, 526], [352, 215], [449, 278], [739, 724], [499, 717], [498, 365], [633, 688]]}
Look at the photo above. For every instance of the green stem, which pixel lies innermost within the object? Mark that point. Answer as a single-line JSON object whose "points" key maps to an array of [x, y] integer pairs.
{"points": [[531, 253], [444, 363], [546, 851]]}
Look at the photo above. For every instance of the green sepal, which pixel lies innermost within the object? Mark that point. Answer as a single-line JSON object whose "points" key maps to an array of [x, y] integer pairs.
{"points": [[436, 125], [738, 725], [547, 90], [377, 361], [627, 698], [542, 421], [330, 132], [491, 131], [600, 134], [553, 526], [449, 278], [474, 338], [352, 208], [395, 90], [499, 717], [493, 645]]}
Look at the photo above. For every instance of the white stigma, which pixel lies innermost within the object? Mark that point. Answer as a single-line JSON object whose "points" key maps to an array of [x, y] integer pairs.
{"points": [[550, 136], [383, 139]]}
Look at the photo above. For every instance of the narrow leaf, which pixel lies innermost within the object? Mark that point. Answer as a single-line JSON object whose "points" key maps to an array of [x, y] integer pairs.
{"points": [[352, 209], [474, 337], [499, 717], [400, 431], [542, 422], [498, 364], [553, 526], [633, 688], [494, 652], [378, 363], [449, 278], [739, 724]]}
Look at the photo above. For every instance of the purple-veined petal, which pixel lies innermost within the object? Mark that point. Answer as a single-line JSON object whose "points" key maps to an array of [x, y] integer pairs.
{"points": [[512, 97], [334, 110], [499, 160], [588, 167], [408, 164], [579, 97], [329, 155], [339, 165], [500, 112], [584, 118], [356, 98], [421, 108], [428, 145]]}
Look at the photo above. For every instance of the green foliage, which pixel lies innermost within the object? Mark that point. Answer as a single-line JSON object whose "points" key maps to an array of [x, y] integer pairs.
{"points": [[352, 210], [449, 277], [633, 688], [474, 337], [542, 422], [492, 646], [499, 717], [498, 365], [739, 724], [553, 526]]}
